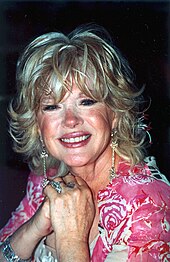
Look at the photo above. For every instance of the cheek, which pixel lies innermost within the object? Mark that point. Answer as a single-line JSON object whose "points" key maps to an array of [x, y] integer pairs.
{"points": [[46, 126], [100, 118], [106, 119], [105, 114]]}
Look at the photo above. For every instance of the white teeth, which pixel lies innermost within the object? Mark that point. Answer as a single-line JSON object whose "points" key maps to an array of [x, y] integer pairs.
{"points": [[75, 139]]}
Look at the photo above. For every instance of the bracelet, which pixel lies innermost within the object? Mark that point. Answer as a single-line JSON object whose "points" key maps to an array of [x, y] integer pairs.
{"points": [[9, 253]]}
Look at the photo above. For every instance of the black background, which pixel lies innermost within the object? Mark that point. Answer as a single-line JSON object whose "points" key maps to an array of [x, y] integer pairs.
{"points": [[139, 29]]}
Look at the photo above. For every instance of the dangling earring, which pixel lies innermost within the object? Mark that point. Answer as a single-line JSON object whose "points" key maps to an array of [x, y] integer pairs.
{"points": [[44, 156], [113, 145]]}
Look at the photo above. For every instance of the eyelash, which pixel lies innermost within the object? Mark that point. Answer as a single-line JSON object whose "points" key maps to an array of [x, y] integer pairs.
{"points": [[84, 102], [88, 102], [50, 107]]}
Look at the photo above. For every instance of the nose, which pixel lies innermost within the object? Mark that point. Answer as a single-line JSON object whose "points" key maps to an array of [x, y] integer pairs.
{"points": [[71, 118]]}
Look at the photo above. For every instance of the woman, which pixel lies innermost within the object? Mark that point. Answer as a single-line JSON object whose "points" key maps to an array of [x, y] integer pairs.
{"points": [[77, 119]]}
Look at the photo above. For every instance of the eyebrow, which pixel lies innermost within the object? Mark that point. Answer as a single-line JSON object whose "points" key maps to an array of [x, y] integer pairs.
{"points": [[46, 99], [82, 95], [51, 99]]}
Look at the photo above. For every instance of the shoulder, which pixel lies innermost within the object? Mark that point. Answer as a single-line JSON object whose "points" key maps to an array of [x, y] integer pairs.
{"points": [[145, 181], [136, 190], [143, 178]]}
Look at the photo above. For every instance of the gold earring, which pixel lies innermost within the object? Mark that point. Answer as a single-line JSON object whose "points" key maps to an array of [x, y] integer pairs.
{"points": [[44, 156], [113, 145]]}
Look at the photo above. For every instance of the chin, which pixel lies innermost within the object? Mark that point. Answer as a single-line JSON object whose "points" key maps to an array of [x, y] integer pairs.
{"points": [[76, 163]]}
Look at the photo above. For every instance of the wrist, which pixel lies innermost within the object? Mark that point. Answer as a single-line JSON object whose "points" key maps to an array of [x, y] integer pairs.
{"points": [[24, 241], [9, 253], [35, 234], [72, 251]]}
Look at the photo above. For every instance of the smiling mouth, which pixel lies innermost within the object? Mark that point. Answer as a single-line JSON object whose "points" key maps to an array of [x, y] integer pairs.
{"points": [[75, 139]]}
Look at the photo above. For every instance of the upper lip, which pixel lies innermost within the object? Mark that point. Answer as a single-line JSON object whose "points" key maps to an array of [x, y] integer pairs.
{"points": [[74, 134]]}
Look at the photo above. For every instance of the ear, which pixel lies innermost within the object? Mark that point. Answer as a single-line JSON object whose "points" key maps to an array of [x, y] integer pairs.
{"points": [[115, 120], [38, 128], [39, 131]]}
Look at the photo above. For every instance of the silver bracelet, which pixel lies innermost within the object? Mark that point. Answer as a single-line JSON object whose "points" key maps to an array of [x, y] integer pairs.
{"points": [[9, 253]]}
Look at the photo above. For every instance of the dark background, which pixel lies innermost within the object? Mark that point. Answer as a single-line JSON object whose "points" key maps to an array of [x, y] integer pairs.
{"points": [[139, 29]]}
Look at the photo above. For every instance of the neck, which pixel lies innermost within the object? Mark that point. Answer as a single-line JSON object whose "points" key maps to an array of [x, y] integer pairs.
{"points": [[96, 175]]}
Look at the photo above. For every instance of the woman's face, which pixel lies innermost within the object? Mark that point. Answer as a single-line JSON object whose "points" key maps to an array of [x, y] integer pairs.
{"points": [[76, 130]]}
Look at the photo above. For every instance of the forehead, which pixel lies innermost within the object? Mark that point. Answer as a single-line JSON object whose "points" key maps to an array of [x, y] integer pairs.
{"points": [[82, 84], [72, 91]]}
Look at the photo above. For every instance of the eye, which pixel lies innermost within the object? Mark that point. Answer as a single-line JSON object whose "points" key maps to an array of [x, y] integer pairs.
{"points": [[88, 102], [50, 107]]}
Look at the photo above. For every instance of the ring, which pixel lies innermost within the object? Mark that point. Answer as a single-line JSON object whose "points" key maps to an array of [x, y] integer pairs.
{"points": [[56, 186], [70, 184]]}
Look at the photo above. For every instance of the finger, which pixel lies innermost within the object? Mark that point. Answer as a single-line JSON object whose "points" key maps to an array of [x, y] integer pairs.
{"points": [[59, 179], [54, 187], [84, 185], [70, 181], [46, 181], [49, 191]]}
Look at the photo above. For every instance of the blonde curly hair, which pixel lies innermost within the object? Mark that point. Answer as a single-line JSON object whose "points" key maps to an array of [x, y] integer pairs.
{"points": [[86, 53]]}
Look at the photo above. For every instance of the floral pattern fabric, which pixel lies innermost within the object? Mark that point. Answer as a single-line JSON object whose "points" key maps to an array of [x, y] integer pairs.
{"points": [[134, 213]]}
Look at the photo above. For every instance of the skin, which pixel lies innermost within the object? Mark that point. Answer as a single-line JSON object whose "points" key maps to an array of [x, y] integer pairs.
{"points": [[78, 132], [47, 219], [74, 219], [76, 116]]}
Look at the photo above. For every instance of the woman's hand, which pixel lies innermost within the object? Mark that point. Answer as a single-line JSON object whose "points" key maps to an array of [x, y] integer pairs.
{"points": [[40, 223], [25, 239], [72, 212]]}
